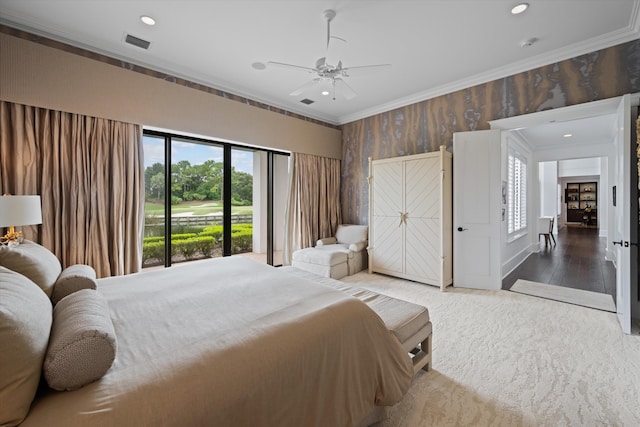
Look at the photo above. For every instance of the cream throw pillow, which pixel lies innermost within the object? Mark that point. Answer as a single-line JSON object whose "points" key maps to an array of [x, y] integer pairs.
{"points": [[82, 345], [72, 279], [34, 261], [25, 322], [349, 233]]}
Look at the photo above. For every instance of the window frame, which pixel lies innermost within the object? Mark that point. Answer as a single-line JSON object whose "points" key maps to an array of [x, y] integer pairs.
{"points": [[168, 137]]}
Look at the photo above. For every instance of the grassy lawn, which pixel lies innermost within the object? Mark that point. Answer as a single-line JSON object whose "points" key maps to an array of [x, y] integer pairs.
{"points": [[205, 207]]}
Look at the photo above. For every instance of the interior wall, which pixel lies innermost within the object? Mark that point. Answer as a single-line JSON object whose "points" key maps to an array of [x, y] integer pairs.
{"points": [[579, 167], [514, 250], [424, 126], [32, 73], [548, 189], [280, 196]]}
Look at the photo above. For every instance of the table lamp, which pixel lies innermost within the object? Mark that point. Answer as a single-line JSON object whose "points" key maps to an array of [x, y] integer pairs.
{"points": [[15, 211]]}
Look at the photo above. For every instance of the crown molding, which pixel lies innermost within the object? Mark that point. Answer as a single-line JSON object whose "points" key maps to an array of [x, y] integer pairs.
{"points": [[217, 85], [631, 32]]}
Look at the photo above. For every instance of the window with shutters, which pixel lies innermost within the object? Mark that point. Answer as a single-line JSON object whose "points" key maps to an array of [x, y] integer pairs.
{"points": [[517, 194]]}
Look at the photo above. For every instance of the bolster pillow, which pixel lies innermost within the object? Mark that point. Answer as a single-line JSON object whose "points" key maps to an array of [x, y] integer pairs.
{"points": [[357, 247], [82, 345], [326, 241], [72, 279]]}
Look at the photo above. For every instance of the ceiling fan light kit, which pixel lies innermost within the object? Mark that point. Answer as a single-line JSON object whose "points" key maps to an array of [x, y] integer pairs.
{"points": [[326, 70]]}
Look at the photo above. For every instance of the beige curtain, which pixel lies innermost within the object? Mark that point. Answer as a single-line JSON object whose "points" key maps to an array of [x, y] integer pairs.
{"points": [[89, 174], [313, 209]]}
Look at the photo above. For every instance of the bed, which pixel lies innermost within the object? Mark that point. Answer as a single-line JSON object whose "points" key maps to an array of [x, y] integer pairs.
{"points": [[233, 342]]}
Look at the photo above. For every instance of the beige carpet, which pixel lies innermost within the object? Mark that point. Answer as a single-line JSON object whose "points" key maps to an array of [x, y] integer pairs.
{"points": [[564, 294], [505, 359]]}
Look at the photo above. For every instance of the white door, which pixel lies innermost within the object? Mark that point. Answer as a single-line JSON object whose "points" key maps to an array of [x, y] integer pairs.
{"points": [[623, 215], [476, 209]]}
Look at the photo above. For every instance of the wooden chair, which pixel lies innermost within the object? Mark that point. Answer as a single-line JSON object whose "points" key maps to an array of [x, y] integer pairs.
{"points": [[546, 223]]}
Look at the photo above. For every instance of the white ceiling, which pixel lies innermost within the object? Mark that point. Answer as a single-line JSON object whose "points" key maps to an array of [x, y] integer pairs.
{"points": [[434, 46], [590, 130]]}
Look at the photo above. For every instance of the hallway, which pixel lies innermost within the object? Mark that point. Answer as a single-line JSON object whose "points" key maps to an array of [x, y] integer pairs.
{"points": [[577, 261]]}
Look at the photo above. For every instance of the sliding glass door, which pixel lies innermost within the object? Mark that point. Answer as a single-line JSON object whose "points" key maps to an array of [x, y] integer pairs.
{"points": [[196, 200], [153, 246], [259, 186], [220, 203]]}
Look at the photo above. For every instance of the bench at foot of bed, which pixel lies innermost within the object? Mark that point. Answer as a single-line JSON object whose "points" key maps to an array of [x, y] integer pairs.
{"points": [[409, 322]]}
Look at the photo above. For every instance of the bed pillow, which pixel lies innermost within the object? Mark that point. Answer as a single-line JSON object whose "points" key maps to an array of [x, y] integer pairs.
{"points": [[72, 279], [34, 261], [25, 322], [82, 345]]}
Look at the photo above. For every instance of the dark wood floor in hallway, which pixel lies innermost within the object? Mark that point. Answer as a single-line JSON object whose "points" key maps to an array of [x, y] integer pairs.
{"points": [[577, 261]]}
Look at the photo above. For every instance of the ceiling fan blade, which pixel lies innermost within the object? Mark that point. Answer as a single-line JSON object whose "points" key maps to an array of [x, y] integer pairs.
{"points": [[335, 50], [290, 66], [360, 69], [305, 87], [343, 88]]}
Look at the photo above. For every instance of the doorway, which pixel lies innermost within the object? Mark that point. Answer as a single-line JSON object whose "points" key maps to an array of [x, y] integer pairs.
{"points": [[517, 246], [577, 261], [573, 193]]}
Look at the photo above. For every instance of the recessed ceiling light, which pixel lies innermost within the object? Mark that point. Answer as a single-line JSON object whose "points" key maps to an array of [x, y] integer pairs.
{"points": [[567, 135], [528, 42], [519, 8], [259, 65], [325, 92], [148, 20]]}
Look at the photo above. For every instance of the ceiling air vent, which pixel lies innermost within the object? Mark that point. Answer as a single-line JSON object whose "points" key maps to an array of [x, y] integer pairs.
{"points": [[307, 101], [137, 42]]}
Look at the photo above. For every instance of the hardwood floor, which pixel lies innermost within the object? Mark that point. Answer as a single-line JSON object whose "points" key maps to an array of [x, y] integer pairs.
{"points": [[577, 261]]}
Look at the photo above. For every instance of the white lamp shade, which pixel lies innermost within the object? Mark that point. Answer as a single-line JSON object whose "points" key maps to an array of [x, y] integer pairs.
{"points": [[20, 210]]}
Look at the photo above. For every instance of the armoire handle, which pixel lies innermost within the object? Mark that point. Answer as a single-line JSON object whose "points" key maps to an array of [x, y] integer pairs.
{"points": [[403, 218]]}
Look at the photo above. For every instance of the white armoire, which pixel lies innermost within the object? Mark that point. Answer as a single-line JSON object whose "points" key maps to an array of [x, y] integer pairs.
{"points": [[410, 217]]}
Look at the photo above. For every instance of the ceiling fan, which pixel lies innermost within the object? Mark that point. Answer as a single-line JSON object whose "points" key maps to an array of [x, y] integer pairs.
{"points": [[326, 69]]}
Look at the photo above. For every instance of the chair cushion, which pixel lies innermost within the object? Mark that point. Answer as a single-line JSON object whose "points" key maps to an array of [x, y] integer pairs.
{"points": [[82, 346], [348, 233], [321, 256], [25, 322], [72, 279], [33, 261]]}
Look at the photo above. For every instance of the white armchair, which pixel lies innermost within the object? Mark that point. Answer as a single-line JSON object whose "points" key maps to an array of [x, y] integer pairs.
{"points": [[336, 257], [352, 239]]}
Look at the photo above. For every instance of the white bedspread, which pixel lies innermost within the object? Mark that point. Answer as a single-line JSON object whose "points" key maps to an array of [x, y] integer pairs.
{"points": [[230, 342]]}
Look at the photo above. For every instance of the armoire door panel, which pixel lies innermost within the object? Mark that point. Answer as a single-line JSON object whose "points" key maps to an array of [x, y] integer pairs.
{"points": [[387, 180], [422, 188], [386, 250], [422, 249]]}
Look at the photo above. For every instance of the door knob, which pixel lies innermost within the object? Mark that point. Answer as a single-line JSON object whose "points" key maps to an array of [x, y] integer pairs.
{"points": [[462, 229], [618, 243]]}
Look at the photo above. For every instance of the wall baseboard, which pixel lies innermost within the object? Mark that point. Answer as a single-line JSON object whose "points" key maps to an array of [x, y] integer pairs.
{"points": [[515, 261]]}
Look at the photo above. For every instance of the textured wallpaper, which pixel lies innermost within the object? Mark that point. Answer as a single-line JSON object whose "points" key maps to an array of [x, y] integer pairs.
{"points": [[424, 126]]}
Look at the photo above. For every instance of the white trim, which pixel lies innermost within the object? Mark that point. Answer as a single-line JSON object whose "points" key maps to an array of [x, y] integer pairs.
{"points": [[631, 32], [562, 114], [516, 260], [211, 83]]}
